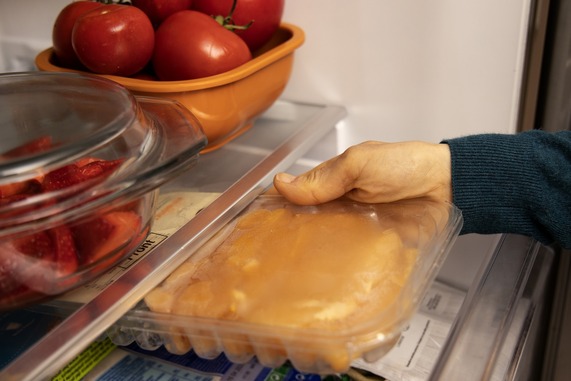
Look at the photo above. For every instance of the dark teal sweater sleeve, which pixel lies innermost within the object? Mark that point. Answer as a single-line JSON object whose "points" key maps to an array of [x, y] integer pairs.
{"points": [[517, 183]]}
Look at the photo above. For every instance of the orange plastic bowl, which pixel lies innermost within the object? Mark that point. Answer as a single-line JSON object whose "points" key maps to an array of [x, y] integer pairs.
{"points": [[226, 104]]}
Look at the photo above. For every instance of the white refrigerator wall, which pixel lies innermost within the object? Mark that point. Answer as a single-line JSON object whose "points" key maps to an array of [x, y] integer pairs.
{"points": [[405, 69], [410, 69]]}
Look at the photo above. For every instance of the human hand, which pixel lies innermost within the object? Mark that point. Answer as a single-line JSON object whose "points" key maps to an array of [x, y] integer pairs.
{"points": [[374, 172]]}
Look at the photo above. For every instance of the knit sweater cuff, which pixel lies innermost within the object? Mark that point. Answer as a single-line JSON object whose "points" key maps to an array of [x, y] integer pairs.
{"points": [[493, 186]]}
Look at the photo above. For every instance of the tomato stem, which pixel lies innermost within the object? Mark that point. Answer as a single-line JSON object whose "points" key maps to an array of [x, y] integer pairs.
{"points": [[228, 23]]}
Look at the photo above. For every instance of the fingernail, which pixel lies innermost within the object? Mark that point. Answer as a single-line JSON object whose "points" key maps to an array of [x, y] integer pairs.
{"points": [[285, 177]]}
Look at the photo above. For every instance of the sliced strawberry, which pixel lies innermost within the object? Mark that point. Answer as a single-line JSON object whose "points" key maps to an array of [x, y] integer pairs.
{"points": [[32, 187], [105, 234], [72, 174], [7, 190], [15, 258], [38, 245], [61, 178], [13, 198], [98, 168], [37, 262], [34, 146], [24, 262], [7, 211], [21, 187], [65, 253], [29, 186]]}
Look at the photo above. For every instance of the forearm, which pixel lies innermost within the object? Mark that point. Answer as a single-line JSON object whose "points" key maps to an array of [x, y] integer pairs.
{"points": [[514, 184]]}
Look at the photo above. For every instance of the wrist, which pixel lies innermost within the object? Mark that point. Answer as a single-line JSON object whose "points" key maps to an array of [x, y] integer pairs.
{"points": [[441, 173]]}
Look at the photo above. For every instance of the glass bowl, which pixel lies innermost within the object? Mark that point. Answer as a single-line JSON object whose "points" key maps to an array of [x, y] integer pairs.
{"points": [[226, 104], [81, 160]]}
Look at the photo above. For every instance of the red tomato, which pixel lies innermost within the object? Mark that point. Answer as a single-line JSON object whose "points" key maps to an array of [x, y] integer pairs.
{"points": [[191, 45], [265, 15], [159, 10], [114, 39], [61, 33]]}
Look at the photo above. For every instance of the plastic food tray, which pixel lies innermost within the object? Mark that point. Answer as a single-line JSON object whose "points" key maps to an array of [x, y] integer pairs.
{"points": [[319, 286]]}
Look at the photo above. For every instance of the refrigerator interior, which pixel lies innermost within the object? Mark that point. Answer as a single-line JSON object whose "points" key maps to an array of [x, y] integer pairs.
{"points": [[404, 70]]}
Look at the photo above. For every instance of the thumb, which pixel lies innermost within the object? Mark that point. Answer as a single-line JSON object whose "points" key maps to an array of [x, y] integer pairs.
{"points": [[311, 188]]}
